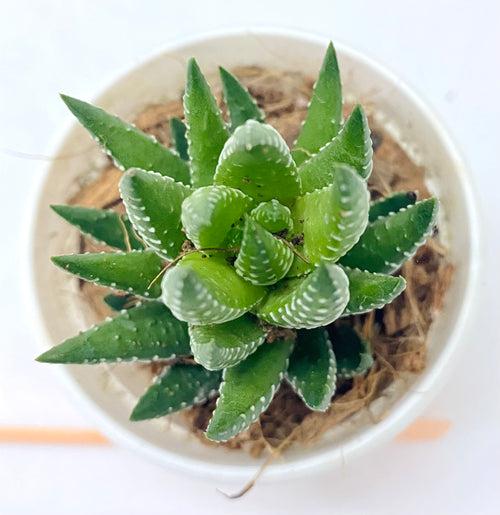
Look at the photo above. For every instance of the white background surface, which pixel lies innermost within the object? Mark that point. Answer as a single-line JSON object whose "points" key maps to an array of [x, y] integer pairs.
{"points": [[448, 50]]}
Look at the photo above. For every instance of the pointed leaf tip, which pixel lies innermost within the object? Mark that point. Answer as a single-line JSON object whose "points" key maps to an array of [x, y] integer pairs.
{"points": [[351, 146], [324, 114], [240, 104], [132, 272], [247, 390], [178, 387], [206, 131], [147, 332], [263, 259], [128, 146], [312, 369], [389, 241], [103, 225]]}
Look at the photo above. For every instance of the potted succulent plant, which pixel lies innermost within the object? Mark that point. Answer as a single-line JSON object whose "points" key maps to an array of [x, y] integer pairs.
{"points": [[243, 266]]}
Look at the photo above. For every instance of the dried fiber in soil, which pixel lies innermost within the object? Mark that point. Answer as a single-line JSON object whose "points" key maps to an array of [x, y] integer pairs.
{"points": [[398, 332]]}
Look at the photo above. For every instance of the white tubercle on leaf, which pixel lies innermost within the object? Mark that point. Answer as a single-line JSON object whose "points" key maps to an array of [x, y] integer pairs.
{"points": [[209, 214], [205, 290], [153, 203], [312, 301], [257, 161], [262, 259]]}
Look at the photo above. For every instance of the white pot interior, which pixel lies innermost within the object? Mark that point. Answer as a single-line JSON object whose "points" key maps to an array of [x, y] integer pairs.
{"points": [[111, 392]]}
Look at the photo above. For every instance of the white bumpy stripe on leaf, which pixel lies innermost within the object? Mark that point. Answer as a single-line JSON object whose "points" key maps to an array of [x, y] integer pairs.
{"points": [[257, 161], [333, 218], [308, 302], [210, 213], [205, 290], [262, 259], [247, 390], [221, 346], [312, 369], [153, 203]]}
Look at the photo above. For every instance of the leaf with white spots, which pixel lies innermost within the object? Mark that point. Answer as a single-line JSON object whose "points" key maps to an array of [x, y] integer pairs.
{"points": [[257, 161], [132, 272], [324, 114], [128, 146], [352, 353], [178, 387], [146, 332], [210, 213], [204, 290], [240, 104], [153, 203], [389, 241], [206, 132], [273, 216], [247, 390], [263, 259], [312, 369], [333, 218], [392, 204], [307, 302], [102, 225], [178, 136], [369, 291], [225, 345], [352, 146]]}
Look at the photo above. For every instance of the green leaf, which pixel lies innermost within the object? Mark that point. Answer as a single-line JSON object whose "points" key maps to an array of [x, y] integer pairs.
{"points": [[103, 225], [225, 345], [392, 204], [262, 259], [240, 104], [257, 161], [273, 216], [332, 219], [119, 302], [312, 369], [178, 136], [369, 291], [247, 390], [299, 266], [132, 272], [128, 146], [353, 353], [178, 387], [389, 241], [148, 332], [153, 204], [210, 213], [324, 114], [352, 146], [307, 302], [204, 290], [206, 132]]}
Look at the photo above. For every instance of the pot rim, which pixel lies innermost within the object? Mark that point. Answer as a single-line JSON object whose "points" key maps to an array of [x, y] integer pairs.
{"points": [[402, 412]]}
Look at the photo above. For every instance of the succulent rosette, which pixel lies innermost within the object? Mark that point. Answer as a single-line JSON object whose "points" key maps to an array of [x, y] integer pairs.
{"points": [[239, 252]]}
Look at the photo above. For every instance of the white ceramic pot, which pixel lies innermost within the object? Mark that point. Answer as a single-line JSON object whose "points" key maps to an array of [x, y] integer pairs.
{"points": [[110, 392]]}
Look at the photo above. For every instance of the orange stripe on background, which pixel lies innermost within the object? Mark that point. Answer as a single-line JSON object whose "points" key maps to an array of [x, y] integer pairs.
{"points": [[425, 429], [422, 430], [51, 435]]}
